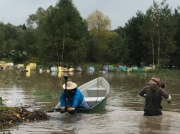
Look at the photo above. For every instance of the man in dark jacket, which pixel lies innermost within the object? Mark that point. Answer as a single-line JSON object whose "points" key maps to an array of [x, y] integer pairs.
{"points": [[153, 94]]}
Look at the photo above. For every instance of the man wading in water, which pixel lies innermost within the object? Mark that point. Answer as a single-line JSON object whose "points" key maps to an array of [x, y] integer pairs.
{"points": [[153, 94]]}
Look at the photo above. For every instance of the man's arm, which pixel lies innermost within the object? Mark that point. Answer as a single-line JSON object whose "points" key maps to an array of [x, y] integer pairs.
{"points": [[143, 92], [62, 99], [165, 95]]}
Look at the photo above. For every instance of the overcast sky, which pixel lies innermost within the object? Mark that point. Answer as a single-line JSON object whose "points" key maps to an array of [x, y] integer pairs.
{"points": [[16, 12]]}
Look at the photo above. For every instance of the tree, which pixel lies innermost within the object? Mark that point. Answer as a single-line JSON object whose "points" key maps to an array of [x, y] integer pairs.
{"points": [[99, 26], [119, 48], [136, 49], [9, 37], [164, 29], [29, 42], [176, 55], [33, 20], [98, 23], [2, 35], [148, 31], [158, 31], [65, 34]]}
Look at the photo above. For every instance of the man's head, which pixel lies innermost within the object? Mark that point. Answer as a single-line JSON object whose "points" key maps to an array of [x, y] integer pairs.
{"points": [[158, 81], [70, 88], [70, 85]]}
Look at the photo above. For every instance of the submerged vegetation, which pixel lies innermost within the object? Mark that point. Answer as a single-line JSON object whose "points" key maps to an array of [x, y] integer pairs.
{"points": [[2, 106], [10, 116], [43, 94], [18, 115]]}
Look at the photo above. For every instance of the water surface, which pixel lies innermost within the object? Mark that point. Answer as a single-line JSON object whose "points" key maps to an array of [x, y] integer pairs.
{"points": [[124, 110]]}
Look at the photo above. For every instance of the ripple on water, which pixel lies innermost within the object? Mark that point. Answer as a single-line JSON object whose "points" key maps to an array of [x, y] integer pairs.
{"points": [[109, 122]]}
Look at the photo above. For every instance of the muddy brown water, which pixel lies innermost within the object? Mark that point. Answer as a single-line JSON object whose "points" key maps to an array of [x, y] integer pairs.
{"points": [[124, 110]]}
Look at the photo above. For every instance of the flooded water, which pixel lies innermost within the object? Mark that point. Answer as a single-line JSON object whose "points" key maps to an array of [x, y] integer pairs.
{"points": [[124, 110]]}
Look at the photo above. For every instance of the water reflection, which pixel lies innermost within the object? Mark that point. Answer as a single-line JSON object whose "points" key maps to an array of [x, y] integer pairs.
{"points": [[15, 96], [106, 75], [151, 123], [28, 74], [167, 123], [90, 72], [54, 73], [61, 74]]}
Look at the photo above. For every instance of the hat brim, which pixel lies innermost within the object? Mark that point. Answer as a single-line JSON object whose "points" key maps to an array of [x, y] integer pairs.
{"points": [[70, 87]]}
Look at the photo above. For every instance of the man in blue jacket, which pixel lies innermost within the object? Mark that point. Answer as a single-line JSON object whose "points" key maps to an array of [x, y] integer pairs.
{"points": [[71, 98]]}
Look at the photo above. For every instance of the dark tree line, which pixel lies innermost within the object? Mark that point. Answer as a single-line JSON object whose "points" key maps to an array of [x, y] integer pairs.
{"points": [[59, 34]]}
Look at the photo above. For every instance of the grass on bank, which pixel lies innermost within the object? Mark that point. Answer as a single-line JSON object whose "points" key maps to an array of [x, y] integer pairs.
{"points": [[2, 106], [45, 94]]}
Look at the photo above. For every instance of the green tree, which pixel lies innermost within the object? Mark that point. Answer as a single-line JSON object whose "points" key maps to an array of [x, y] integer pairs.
{"points": [[9, 39], [163, 26], [29, 42], [148, 31], [65, 34], [136, 49], [34, 20], [176, 55], [119, 48], [2, 36], [99, 26], [98, 23]]}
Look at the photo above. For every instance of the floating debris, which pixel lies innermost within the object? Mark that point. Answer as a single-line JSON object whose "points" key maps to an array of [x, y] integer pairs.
{"points": [[18, 115]]}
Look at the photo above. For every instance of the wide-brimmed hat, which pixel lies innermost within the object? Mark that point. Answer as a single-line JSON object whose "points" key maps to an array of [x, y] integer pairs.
{"points": [[157, 81], [70, 85]]}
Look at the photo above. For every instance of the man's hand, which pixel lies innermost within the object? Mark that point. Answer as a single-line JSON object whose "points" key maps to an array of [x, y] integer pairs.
{"points": [[71, 109], [169, 99], [62, 108]]}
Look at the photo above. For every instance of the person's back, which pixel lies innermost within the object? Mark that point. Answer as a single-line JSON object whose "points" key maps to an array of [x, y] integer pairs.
{"points": [[153, 94]]}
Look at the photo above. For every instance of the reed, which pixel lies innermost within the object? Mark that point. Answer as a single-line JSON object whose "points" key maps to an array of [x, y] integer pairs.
{"points": [[45, 94]]}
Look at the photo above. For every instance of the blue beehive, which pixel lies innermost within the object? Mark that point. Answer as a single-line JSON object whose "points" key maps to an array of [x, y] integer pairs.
{"points": [[90, 68]]}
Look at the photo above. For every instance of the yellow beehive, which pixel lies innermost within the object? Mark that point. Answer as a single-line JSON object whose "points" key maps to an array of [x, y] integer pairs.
{"points": [[10, 64], [59, 74], [129, 69], [148, 68], [71, 69], [59, 69], [48, 71], [71, 73], [20, 66], [2, 62], [32, 66], [28, 74], [28, 68]]}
